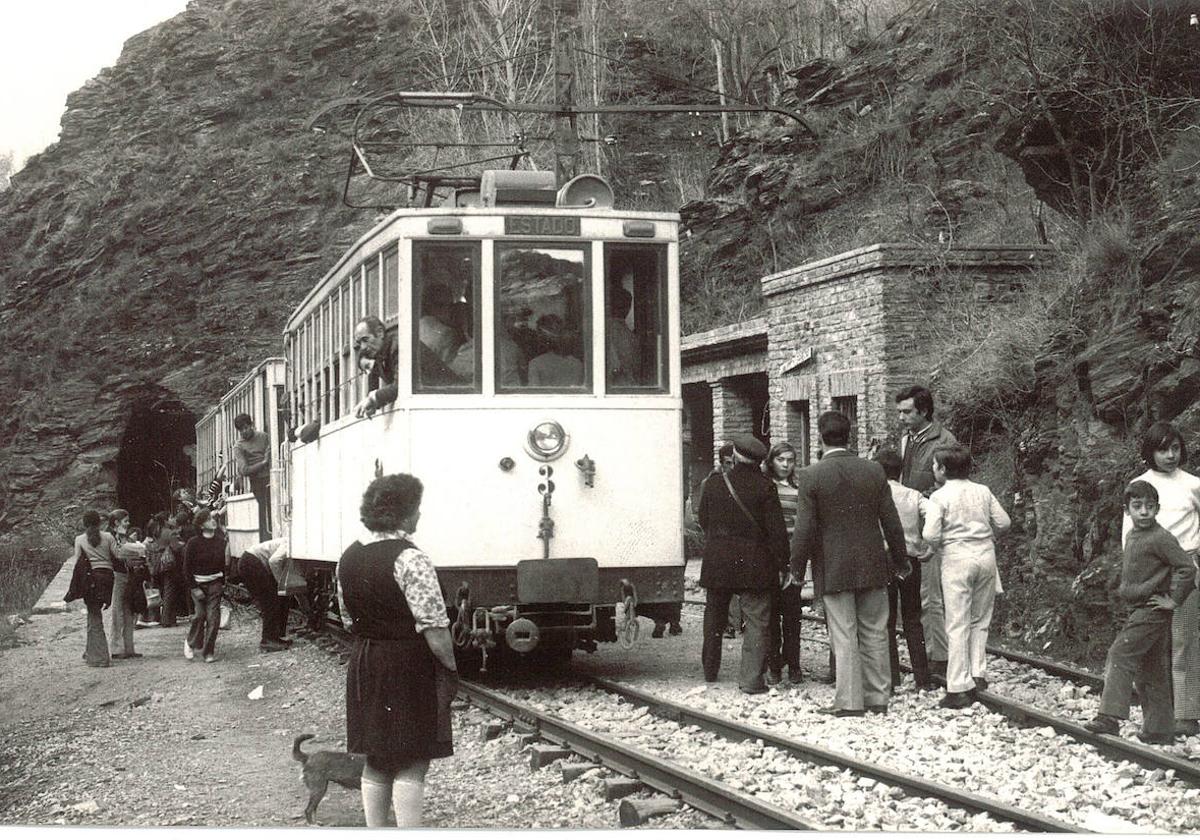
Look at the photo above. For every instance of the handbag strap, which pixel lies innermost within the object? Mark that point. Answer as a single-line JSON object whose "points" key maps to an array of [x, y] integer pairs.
{"points": [[738, 501]]}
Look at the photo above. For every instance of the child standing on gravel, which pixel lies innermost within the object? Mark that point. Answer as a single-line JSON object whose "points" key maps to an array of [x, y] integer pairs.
{"points": [[962, 523], [1156, 577]]}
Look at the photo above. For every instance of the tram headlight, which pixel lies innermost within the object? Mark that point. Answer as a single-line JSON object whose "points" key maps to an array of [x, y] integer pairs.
{"points": [[546, 441]]}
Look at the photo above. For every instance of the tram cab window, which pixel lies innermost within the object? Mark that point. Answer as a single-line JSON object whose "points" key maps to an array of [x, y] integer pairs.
{"points": [[635, 329], [445, 317], [543, 323]]}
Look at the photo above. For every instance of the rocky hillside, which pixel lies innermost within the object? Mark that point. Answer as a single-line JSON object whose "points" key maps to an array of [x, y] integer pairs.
{"points": [[1073, 123], [152, 255]]}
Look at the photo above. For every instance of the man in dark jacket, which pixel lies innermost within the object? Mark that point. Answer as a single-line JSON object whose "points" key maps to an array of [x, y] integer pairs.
{"points": [[744, 552], [843, 502]]}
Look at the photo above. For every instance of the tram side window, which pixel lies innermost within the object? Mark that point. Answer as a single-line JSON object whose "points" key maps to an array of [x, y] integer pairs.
{"points": [[543, 323], [446, 317], [635, 326]]}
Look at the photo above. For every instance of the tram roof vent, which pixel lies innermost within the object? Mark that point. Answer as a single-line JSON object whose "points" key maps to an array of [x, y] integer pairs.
{"points": [[505, 187]]}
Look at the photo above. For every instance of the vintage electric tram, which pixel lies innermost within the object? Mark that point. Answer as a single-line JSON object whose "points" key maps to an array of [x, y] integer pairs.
{"points": [[538, 401]]}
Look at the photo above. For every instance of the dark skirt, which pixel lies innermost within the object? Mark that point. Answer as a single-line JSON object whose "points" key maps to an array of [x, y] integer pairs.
{"points": [[392, 709]]}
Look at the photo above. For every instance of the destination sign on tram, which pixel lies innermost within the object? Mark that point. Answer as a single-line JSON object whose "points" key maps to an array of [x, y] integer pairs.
{"points": [[541, 225]]}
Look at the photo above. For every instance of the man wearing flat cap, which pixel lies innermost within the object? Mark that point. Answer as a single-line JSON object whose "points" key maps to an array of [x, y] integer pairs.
{"points": [[745, 549]]}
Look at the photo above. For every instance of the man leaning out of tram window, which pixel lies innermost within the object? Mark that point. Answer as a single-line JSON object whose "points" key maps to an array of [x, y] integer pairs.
{"points": [[372, 341]]}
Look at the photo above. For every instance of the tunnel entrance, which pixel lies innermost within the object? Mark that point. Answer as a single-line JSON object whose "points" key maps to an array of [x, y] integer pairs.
{"points": [[155, 457]]}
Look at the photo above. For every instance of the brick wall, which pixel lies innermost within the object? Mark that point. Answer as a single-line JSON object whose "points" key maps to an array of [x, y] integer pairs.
{"points": [[851, 326]]}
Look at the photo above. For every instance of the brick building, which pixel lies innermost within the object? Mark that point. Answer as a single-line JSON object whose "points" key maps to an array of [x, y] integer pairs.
{"points": [[840, 333]]}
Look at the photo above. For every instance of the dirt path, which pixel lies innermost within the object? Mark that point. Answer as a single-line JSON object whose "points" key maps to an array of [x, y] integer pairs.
{"points": [[160, 740]]}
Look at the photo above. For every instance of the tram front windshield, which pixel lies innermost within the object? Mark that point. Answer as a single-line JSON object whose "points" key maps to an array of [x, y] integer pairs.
{"points": [[543, 324]]}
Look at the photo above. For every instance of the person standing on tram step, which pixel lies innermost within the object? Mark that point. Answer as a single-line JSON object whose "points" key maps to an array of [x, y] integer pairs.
{"points": [[259, 568], [1165, 453], [204, 572], [745, 551], [844, 514], [127, 554], [95, 554], [922, 435], [780, 467], [402, 675], [253, 454]]}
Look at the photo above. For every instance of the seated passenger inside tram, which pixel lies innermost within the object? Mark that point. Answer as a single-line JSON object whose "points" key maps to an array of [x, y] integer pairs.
{"points": [[512, 360], [621, 352], [437, 314], [557, 365]]}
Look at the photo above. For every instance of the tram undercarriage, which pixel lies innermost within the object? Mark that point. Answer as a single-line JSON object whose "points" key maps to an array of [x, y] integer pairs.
{"points": [[542, 609]]}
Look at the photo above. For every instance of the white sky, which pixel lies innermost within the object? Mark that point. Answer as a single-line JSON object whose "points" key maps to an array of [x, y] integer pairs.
{"points": [[49, 48]]}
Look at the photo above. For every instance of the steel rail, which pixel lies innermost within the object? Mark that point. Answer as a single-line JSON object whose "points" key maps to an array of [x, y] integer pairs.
{"points": [[735, 731], [1054, 669], [1110, 746], [713, 798]]}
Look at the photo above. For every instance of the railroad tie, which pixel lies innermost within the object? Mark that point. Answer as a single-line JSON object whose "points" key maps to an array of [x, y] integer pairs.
{"points": [[637, 811], [620, 787], [573, 770], [542, 754], [489, 731]]}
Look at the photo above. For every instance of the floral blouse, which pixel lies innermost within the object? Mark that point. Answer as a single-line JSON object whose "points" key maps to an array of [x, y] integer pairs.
{"points": [[417, 579]]}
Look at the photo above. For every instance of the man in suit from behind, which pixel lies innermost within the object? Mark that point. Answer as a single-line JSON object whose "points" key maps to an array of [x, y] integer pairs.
{"points": [[843, 503], [745, 552]]}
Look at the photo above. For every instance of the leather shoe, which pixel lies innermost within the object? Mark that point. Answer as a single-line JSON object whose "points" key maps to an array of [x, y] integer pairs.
{"points": [[658, 631], [271, 646], [1103, 724], [774, 677], [834, 711], [1187, 727], [937, 667], [956, 700], [1158, 740], [877, 710], [759, 689], [926, 686], [674, 629], [981, 683]]}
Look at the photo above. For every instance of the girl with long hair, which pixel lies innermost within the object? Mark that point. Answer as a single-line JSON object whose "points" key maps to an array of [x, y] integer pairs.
{"points": [[97, 548], [780, 467]]}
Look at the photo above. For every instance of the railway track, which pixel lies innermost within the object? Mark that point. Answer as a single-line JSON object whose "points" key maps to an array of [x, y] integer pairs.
{"points": [[732, 730], [1116, 748], [738, 808], [675, 780]]}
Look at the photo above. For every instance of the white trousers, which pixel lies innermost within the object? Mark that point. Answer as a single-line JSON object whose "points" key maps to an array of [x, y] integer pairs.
{"points": [[969, 592]]}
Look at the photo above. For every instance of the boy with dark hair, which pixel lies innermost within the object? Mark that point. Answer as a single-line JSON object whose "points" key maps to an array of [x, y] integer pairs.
{"points": [[1156, 577], [962, 523], [904, 596]]}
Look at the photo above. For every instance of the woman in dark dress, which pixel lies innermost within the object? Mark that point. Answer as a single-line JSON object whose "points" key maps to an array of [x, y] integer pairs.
{"points": [[401, 675]]}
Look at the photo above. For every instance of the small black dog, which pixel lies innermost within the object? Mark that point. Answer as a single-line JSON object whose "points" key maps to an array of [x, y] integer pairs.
{"points": [[323, 767]]}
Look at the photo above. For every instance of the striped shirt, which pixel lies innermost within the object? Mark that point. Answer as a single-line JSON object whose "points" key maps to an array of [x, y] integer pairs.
{"points": [[788, 496]]}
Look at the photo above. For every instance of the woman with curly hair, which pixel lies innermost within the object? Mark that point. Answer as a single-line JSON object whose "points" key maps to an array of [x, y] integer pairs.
{"points": [[401, 675]]}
